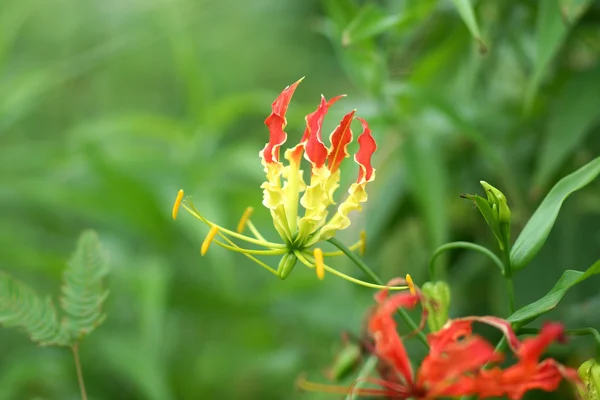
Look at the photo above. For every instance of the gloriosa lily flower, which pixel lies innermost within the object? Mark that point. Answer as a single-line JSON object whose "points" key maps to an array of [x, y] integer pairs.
{"points": [[455, 365], [301, 233]]}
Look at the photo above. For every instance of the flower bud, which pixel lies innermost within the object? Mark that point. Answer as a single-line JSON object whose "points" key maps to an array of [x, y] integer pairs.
{"points": [[589, 372], [437, 303], [286, 265], [495, 211]]}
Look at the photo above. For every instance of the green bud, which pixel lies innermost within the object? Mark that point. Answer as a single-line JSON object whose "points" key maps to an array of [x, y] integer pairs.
{"points": [[437, 303], [286, 265], [495, 211], [345, 362], [496, 198], [589, 372]]}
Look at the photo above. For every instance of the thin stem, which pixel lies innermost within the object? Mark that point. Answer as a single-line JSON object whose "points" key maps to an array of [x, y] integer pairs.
{"points": [[75, 349], [508, 276], [365, 268], [463, 245], [308, 260], [192, 210], [272, 252], [255, 231], [366, 370], [341, 253], [256, 260]]}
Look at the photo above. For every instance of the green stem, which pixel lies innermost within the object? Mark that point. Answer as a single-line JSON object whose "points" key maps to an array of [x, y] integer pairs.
{"points": [[366, 370], [508, 276], [463, 245], [369, 272], [75, 349]]}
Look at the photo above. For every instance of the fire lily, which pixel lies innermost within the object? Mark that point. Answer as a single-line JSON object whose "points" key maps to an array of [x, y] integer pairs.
{"points": [[457, 359], [301, 233]]}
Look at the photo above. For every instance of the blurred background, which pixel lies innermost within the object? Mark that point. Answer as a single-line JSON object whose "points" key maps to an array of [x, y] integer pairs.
{"points": [[107, 108]]}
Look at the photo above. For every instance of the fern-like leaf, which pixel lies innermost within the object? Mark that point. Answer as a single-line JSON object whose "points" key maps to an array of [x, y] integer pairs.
{"points": [[83, 291], [22, 307]]}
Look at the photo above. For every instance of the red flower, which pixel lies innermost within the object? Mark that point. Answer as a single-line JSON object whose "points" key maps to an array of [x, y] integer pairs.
{"points": [[454, 365]]}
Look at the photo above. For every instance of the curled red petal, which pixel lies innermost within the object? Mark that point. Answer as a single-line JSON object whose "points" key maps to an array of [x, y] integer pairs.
{"points": [[532, 348], [501, 324], [388, 344], [316, 151], [367, 147], [276, 122], [340, 138]]}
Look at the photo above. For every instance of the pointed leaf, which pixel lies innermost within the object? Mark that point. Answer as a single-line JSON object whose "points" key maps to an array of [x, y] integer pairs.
{"points": [[550, 33], [370, 21], [534, 235], [568, 279], [465, 9]]}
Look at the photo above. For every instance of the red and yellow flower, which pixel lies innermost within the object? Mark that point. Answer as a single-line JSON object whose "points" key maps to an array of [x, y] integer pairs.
{"points": [[285, 191], [458, 359]]}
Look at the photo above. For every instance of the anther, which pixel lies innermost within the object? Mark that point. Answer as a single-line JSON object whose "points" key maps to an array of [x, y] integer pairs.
{"points": [[177, 203], [363, 242], [319, 264], [245, 217], [209, 238], [410, 284]]}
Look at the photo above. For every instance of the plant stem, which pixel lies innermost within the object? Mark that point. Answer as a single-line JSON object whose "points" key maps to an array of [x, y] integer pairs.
{"points": [[463, 245], [508, 276], [365, 268], [75, 349], [369, 366]]}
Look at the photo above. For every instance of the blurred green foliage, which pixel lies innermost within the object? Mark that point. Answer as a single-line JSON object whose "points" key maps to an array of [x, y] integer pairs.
{"points": [[109, 107]]}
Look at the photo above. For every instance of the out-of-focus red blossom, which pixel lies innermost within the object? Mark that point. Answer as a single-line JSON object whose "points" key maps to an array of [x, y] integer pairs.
{"points": [[454, 365]]}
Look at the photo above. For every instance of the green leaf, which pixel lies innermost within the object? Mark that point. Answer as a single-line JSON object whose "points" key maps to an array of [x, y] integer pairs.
{"points": [[370, 21], [568, 279], [22, 307], [465, 9], [575, 113], [550, 33], [534, 235], [573, 9], [83, 290]]}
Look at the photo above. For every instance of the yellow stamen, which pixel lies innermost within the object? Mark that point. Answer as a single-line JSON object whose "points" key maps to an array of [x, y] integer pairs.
{"points": [[410, 284], [245, 217], [319, 264], [363, 242], [209, 238], [177, 203]]}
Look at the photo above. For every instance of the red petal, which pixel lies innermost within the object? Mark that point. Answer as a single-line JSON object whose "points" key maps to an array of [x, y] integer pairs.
{"points": [[441, 373], [500, 324], [388, 344], [340, 138], [367, 147], [531, 349], [276, 122], [316, 152]]}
